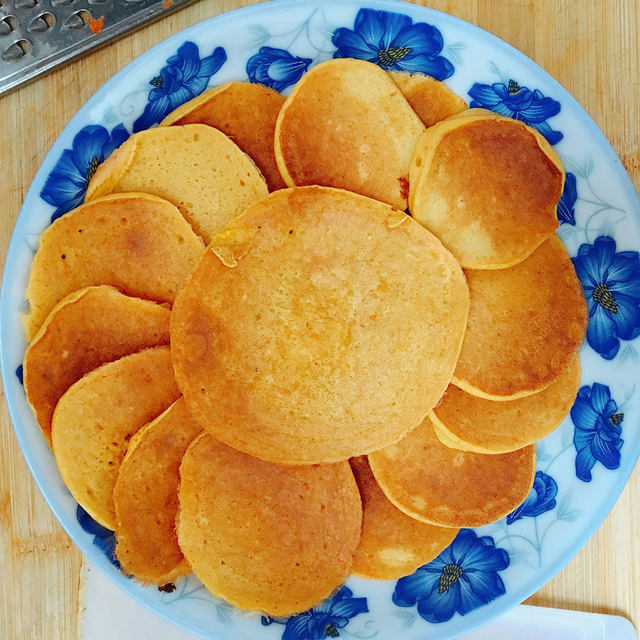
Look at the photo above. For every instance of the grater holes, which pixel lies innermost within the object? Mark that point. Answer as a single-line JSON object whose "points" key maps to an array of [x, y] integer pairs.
{"points": [[8, 25], [78, 19], [42, 23], [57, 3], [17, 50], [26, 4], [98, 1]]}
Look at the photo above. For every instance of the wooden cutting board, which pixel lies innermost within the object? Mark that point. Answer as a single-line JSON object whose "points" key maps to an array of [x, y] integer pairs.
{"points": [[592, 48]]}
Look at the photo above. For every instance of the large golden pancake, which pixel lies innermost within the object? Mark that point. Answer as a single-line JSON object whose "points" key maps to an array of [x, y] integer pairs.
{"points": [[247, 113], [319, 325], [431, 99], [392, 544], [266, 537], [84, 330], [196, 167], [525, 323], [487, 186], [346, 124], [466, 422], [135, 242], [451, 488], [146, 497], [96, 417]]}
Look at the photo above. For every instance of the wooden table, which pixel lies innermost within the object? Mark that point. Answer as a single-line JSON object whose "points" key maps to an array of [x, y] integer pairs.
{"points": [[590, 47]]}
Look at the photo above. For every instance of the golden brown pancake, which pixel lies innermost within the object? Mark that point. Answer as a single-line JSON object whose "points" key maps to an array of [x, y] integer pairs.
{"points": [[247, 113], [525, 324], [319, 325], [146, 497], [466, 422], [451, 488], [96, 417], [266, 537], [431, 99], [346, 124], [196, 167], [392, 544], [487, 186], [135, 242], [84, 330]]}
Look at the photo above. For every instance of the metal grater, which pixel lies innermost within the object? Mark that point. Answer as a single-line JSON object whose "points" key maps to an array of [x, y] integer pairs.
{"points": [[37, 35]]}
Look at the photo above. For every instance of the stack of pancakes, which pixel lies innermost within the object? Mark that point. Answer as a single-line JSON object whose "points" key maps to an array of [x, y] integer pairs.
{"points": [[253, 364]]}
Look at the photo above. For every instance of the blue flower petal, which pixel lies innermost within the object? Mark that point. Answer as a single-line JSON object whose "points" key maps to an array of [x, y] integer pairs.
{"points": [[380, 28], [552, 136], [349, 607], [584, 464], [352, 45], [624, 267], [421, 38], [153, 113], [606, 452], [410, 588], [440, 607], [188, 59], [439, 68], [88, 144], [485, 95], [600, 397], [601, 334], [211, 64], [566, 211], [628, 317], [479, 589], [540, 110], [118, 136], [296, 628]]}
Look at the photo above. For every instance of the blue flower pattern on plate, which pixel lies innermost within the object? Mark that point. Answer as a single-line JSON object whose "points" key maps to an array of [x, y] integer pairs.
{"points": [[184, 77], [276, 68], [394, 42], [463, 577], [323, 621], [566, 206], [541, 498], [611, 283], [520, 103], [103, 538], [67, 183], [597, 430]]}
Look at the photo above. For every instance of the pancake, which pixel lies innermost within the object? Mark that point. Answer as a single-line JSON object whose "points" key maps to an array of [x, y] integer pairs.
{"points": [[525, 324], [346, 124], [146, 497], [392, 544], [247, 113], [351, 319], [466, 422], [84, 330], [135, 242], [431, 99], [96, 417], [488, 186], [451, 488], [196, 167], [266, 537]]}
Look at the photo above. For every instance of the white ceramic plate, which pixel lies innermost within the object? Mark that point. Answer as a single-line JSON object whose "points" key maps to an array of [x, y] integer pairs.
{"points": [[582, 467]]}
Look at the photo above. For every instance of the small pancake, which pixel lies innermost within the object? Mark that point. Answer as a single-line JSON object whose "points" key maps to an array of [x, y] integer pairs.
{"points": [[146, 497], [392, 544], [135, 242], [451, 488], [352, 316], [196, 167], [346, 124], [525, 324], [431, 99], [96, 417], [266, 537], [488, 186], [247, 113], [84, 330], [466, 422]]}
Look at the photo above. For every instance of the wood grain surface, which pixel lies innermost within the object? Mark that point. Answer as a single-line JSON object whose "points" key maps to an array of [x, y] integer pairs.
{"points": [[592, 48]]}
